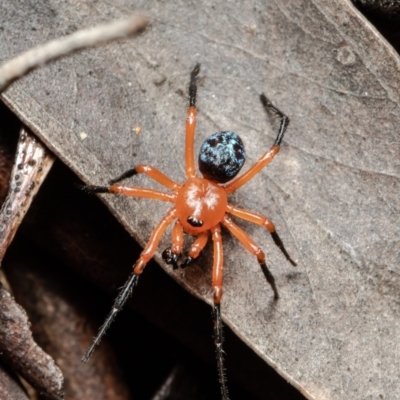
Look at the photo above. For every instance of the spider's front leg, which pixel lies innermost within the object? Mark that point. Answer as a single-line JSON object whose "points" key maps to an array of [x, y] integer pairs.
{"points": [[138, 268], [191, 123]]}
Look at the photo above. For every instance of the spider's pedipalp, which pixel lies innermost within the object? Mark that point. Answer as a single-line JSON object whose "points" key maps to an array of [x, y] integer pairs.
{"points": [[170, 258], [196, 248], [172, 254]]}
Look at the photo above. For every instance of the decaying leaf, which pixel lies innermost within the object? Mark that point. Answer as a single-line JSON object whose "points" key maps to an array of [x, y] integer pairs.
{"points": [[332, 191]]}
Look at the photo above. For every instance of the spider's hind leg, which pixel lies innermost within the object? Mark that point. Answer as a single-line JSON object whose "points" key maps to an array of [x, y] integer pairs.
{"points": [[138, 268]]}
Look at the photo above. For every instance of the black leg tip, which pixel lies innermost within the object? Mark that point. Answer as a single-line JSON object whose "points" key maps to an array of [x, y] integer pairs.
{"points": [[195, 72], [270, 279], [170, 258], [125, 175], [187, 262], [94, 188]]}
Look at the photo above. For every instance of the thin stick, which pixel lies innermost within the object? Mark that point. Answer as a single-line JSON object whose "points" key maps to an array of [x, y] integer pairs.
{"points": [[22, 64], [31, 164]]}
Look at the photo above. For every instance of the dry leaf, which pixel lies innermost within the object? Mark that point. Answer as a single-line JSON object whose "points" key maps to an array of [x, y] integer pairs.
{"points": [[332, 191]]}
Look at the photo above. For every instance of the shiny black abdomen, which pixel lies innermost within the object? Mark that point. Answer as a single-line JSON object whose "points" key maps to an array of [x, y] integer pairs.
{"points": [[222, 156]]}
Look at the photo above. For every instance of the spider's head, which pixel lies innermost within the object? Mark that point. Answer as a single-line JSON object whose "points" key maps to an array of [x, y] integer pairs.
{"points": [[222, 156]]}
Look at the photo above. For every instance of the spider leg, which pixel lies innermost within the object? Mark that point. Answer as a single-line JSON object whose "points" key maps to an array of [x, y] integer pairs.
{"points": [[262, 221], [191, 123], [196, 248], [171, 254], [253, 248], [126, 290], [218, 327], [284, 118], [268, 156], [119, 302], [131, 191], [151, 172]]}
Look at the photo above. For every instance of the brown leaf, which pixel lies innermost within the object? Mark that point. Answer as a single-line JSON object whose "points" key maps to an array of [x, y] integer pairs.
{"points": [[332, 191]]}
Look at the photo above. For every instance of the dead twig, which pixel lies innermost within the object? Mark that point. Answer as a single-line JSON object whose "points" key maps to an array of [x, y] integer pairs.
{"points": [[25, 356], [32, 163], [22, 64]]}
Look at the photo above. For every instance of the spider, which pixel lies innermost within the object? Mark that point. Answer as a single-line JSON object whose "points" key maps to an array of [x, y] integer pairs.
{"points": [[200, 207]]}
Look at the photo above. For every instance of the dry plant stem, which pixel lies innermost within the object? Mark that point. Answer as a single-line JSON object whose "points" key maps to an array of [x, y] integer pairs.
{"points": [[32, 163], [25, 356], [10, 388], [21, 65]]}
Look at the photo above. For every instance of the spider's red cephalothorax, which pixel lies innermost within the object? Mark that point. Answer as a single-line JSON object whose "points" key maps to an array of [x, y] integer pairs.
{"points": [[200, 206]]}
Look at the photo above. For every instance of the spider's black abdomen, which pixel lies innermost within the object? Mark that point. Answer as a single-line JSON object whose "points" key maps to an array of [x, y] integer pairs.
{"points": [[222, 156]]}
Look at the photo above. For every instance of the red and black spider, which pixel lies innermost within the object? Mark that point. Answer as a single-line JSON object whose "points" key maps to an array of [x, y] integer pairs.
{"points": [[200, 206]]}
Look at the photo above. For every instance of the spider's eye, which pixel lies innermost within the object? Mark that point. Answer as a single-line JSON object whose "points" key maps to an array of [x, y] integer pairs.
{"points": [[221, 157]]}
